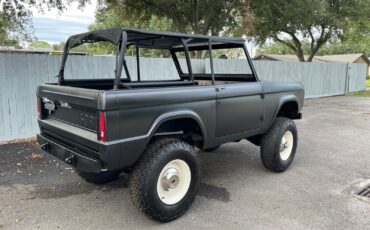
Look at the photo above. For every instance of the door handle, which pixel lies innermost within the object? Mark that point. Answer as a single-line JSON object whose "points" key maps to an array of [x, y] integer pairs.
{"points": [[219, 89]]}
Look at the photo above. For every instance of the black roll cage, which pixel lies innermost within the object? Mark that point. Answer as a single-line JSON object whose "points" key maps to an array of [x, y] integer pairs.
{"points": [[187, 43]]}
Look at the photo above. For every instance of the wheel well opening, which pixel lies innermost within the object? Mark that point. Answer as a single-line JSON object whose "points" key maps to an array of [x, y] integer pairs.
{"points": [[186, 129], [256, 140], [288, 109]]}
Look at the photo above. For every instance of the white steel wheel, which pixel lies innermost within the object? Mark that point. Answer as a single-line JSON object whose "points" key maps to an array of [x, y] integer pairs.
{"points": [[286, 145], [279, 144], [173, 182]]}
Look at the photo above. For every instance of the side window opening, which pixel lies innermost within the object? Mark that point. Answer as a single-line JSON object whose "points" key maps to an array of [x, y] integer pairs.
{"points": [[198, 59], [154, 64], [230, 65]]}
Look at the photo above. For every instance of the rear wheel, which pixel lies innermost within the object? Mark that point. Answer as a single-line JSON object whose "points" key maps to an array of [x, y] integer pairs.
{"points": [[166, 179], [99, 178], [278, 145]]}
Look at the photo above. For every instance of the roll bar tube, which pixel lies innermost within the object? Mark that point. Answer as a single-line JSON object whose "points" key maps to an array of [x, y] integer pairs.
{"points": [[120, 60], [64, 60], [138, 63], [187, 56], [249, 59], [211, 61]]}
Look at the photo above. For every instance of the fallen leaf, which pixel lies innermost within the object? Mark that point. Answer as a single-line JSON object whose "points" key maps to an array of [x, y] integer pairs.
{"points": [[35, 156]]}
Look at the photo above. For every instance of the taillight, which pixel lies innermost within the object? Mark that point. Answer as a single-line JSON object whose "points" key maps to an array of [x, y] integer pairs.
{"points": [[102, 126], [39, 107]]}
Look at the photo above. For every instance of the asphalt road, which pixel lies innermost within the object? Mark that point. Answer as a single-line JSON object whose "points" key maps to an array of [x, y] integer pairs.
{"points": [[333, 158]]}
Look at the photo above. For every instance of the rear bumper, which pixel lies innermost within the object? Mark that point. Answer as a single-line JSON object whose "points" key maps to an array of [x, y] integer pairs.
{"points": [[77, 160], [82, 150]]}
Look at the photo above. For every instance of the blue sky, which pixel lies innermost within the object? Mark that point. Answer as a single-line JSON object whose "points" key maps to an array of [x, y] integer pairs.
{"points": [[55, 27]]}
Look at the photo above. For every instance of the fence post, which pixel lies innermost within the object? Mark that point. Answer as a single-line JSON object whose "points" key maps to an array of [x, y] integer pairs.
{"points": [[346, 85]]}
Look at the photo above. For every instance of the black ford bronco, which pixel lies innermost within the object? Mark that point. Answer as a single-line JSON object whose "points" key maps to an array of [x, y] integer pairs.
{"points": [[152, 129]]}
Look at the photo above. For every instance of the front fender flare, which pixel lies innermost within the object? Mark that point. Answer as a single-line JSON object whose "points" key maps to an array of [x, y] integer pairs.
{"points": [[285, 99]]}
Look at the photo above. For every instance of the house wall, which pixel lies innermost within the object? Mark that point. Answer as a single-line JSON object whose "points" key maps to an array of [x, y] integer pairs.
{"points": [[362, 60]]}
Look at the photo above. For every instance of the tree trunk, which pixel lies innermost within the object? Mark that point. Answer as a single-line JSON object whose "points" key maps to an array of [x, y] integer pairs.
{"points": [[299, 53], [296, 47]]}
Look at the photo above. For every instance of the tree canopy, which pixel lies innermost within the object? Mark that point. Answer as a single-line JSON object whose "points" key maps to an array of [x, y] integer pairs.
{"points": [[355, 40], [197, 16], [108, 16], [300, 27], [16, 17], [294, 22], [6, 25], [40, 44]]}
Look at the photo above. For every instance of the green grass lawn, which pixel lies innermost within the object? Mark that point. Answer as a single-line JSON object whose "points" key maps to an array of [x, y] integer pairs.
{"points": [[360, 94]]}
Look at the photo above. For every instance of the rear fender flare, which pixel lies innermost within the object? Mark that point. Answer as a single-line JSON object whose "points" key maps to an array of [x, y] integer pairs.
{"points": [[173, 116]]}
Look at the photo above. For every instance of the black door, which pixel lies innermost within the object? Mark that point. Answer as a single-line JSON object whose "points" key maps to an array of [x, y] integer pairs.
{"points": [[239, 107]]}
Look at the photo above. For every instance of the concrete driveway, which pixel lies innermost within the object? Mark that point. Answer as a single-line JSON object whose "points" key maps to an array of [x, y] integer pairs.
{"points": [[333, 157]]}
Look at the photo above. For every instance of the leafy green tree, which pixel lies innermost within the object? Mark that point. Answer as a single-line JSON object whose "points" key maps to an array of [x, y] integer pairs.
{"points": [[59, 47], [198, 16], [110, 16], [10, 32], [40, 44], [16, 17], [293, 22], [355, 40], [191, 16], [274, 48]]}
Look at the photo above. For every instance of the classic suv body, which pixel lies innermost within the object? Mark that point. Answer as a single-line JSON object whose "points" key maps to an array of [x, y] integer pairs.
{"points": [[151, 128], [205, 109], [223, 113]]}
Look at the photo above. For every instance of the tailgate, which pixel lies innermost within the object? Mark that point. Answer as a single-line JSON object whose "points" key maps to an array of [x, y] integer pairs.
{"points": [[71, 105]]}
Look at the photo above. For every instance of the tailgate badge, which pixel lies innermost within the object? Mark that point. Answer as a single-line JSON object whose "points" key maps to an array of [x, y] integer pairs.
{"points": [[65, 105], [49, 105]]}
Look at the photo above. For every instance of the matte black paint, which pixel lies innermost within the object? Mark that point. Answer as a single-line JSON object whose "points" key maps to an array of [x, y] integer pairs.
{"points": [[133, 116], [223, 113]]}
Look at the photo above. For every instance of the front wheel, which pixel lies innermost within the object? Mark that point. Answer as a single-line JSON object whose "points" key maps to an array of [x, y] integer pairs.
{"points": [[279, 144], [166, 179]]}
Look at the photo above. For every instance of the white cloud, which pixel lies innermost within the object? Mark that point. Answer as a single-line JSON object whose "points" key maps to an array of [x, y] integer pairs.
{"points": [[55, 27]]}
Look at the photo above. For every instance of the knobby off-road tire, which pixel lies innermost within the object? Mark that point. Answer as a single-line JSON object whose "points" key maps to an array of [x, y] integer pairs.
{"points": [[212, 149], [279, 144], [99, 178], [164, 182]]}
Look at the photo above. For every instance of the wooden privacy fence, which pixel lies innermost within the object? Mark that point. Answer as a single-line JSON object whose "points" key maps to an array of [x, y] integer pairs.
{"points": [[20, 74]]}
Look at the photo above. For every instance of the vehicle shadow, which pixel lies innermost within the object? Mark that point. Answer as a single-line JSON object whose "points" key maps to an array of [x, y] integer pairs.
{"points": [[52, 180]]}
